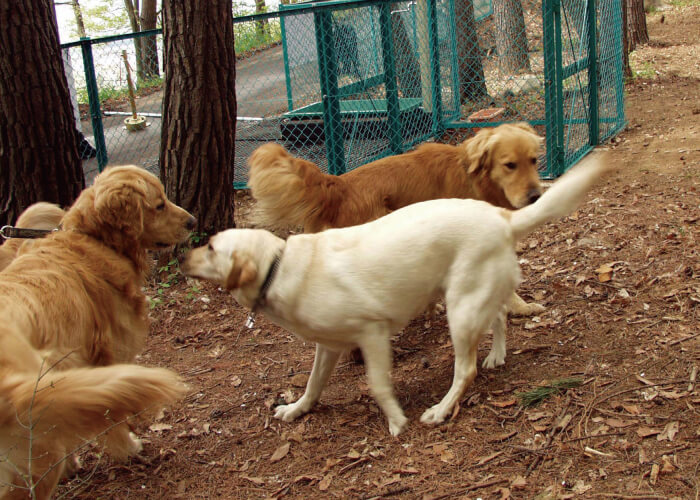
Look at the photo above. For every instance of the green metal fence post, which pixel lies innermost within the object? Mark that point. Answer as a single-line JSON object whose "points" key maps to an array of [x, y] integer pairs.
{"points": [[392, 91], [438, 123], [285, 56], [328, 73], [593, 130], [619, 82], [94, 100], [550, 77], [559, 88]]}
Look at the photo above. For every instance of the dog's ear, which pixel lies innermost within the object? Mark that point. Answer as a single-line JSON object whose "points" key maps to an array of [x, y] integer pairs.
{"points": [[528, 128], [120, 205], [479, 149], [242, 272]]}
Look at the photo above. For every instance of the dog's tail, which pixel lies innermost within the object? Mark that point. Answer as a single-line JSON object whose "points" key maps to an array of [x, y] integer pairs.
{"points": [[565, 195], [85, 402], [290, 191]]}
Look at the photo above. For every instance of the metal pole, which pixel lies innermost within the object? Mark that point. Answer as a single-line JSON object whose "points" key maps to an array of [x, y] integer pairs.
{"points": [[327, 70], [94, 100], [394, 125], [435, 67], [593, 129]]}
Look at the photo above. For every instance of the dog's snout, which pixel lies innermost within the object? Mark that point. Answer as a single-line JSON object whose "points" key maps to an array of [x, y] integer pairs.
{"points": [[533, 195], [191, 223]]}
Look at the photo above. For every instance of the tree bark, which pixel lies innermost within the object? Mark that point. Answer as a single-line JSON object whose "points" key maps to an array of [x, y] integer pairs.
{"points": [[199, 110], [636, 24], [625, 42], [511, 37], [472, 84], [38, 144], [149, 44]]}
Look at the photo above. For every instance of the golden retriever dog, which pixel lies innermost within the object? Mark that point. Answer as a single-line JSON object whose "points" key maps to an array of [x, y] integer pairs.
{"points": [[40, 215], [498, 165], [357, 286], [74, 315]]}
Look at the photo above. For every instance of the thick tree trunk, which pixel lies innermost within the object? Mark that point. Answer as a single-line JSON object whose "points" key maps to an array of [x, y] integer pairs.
{"points": [[149, 44], [199, 110], [472, 85], [625, 42], [511, 37], [636, 24], [38, 149]]}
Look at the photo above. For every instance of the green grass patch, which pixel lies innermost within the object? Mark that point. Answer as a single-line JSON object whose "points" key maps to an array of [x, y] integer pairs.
{"points": [[539, 394]]}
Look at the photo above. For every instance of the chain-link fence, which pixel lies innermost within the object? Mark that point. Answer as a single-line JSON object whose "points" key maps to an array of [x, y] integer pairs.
{"points": [[353, 81]]}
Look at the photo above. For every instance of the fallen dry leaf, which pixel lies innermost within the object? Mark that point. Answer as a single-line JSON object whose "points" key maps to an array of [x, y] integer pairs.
{"points": [[255, 480], [280, 452], [519, 483], [325, 483], [503, 404], [644, 432], [160, 427], [669, 432]]}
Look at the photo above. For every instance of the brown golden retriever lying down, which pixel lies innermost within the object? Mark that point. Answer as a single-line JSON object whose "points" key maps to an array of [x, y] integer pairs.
{"points": [[40, 215], [498, 165], [73, 315]]}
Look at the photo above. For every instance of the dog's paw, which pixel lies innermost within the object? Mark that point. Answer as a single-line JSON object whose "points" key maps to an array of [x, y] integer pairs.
{"points": [[434, 415], [396, 424], [493, 360], [135, 444], [288, 413], [525, 309]]}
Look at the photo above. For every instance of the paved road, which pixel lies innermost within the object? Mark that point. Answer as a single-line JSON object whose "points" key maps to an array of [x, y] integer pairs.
{"points": [[260, 92]]}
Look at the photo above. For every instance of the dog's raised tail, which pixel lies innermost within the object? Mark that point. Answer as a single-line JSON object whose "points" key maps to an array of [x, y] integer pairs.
{"points": [[85, 402], [290, 191], [565, 195]]}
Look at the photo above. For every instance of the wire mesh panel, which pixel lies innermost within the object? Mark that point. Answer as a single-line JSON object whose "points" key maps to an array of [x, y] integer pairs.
{"points": [[344, 82]]}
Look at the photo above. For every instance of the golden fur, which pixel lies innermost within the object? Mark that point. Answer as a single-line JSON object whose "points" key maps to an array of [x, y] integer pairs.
{"points": [[497, 165], [73, 315], [40, 215]]}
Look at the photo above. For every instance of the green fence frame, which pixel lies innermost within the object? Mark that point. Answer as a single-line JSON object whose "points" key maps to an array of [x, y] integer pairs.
{"points": [[601, 51]]}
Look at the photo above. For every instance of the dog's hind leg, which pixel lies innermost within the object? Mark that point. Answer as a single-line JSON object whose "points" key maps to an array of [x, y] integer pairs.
{"points": [[324, 362], [497, 356], [376, 350], [465, 331]]}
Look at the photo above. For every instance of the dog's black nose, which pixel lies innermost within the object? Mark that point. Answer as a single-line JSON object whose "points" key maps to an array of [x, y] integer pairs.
{"points": [[533, 196], [191, 223]]}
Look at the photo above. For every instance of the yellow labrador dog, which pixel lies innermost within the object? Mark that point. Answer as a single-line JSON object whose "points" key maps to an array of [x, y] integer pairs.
{"points": [[356, 286]]}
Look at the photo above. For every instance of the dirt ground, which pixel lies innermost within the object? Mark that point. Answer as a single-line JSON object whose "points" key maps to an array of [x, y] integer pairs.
{"points": [[621, 282]]}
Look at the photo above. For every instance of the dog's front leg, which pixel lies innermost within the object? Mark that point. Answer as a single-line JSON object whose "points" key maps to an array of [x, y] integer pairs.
{"points": [[518, 307], [497, 356], [376, 350], [324, 362]]}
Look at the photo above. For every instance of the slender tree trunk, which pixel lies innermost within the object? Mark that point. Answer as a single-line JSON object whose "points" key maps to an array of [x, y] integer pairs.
{"points": [[38, 149], [511, 37], [132, 10], [149, 44], [407, 66], [472, 84], [262, 26], [78, 18], [199, 110]]}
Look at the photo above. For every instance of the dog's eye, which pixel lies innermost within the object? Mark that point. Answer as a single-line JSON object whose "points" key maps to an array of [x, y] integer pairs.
{"points": [[161, 206], [511, 166], [533, 161]]}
